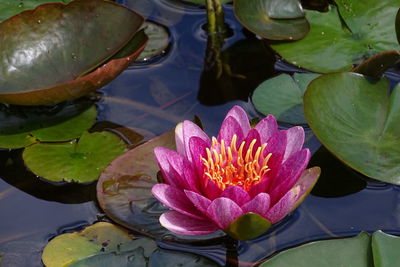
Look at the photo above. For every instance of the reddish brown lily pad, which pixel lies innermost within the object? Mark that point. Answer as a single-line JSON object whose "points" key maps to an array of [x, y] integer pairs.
{"points": [[48, 56], [124, 191]]}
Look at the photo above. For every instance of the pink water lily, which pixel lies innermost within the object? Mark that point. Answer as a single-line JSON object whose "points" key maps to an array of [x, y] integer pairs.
{"points": [[211, 183]]}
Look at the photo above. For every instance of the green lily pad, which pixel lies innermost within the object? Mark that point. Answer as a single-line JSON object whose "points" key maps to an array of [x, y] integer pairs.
{"points": [[64, 131], [273, 19], [330, 46], [72, 56], [282, 96], [158, 40], [355, 252], [95, 239], [9, 8], [385, 249], [356, 118], [80, 160], [248, 226], [124, 191]]}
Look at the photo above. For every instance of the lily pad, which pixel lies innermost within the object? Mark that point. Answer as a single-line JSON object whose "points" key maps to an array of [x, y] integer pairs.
{"points": [[282, 96], [356, 118], [80, 160], [273, 19], [331, 46], [124, 191], [71, 56], [353, 252], [9, 8], [158, 40], [95, 239], [64, 131], [385, 249]]}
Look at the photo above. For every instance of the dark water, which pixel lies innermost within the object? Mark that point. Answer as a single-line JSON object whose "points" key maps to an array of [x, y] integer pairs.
{"points": [[155, 96]]}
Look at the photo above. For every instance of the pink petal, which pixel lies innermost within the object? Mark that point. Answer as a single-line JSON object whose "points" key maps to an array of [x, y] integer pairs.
{"points": [[200, 202], [180, 146], [283, 206], [237, 194], [266, 128], [189, 130], [289, 174], [261, 187], [295, 141], [306, 182], [277, 146], [211, 190], [197, 148], [175, 199], [181, 224], [259, 204], [170, 175], [223, 211], [230, 127], [240, 116], [253, 134]]}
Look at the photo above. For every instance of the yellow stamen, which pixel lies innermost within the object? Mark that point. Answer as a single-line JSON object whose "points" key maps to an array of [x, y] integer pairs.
{"points": [[232, 166]]}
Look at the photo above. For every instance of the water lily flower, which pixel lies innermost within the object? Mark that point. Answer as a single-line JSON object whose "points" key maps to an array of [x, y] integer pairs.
{"points": [[241, 182]]}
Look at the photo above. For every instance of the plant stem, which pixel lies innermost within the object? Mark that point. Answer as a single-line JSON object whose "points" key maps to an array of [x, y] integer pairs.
{"points": [[232, 257], [215, 16]]}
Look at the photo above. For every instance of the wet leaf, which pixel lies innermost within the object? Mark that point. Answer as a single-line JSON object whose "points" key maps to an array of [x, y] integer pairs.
{"points": [[72, 55], [273, 19], [158, 40], [95, 239], [353, 252], [81, 160], [248, 226], [378, 64], [124, 191], [10, 8], [385, 248], [356, 118], [331, 46], [282, 96]]}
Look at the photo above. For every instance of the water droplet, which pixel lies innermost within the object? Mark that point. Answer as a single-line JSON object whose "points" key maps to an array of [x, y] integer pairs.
{"points": [[21, 5], [322, 33], [73, 56], [39, 21]]}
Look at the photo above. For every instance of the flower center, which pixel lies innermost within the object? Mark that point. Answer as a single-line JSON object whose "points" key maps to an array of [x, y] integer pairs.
{"points": [[229, 166]]}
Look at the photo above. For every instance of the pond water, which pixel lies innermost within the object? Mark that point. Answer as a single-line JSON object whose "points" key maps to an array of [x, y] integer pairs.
{"points": [[155, 96]]}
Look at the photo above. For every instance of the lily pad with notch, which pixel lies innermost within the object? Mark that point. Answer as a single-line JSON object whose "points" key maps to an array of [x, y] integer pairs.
{"points": [[282, 96], [273, 19], [354, 251], [75, 62], [124, 191], [158, 40], [333, 45], [356, 118], [80, 160]]}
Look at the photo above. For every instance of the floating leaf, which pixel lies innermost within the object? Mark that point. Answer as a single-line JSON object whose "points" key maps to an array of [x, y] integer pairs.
{"points": [[203, 2], [64, 131], [248, 226], [259, 16], [124, 190], [169, 258], [331, 47], [81, 161], [357, 120], [72, 55], [158, 40], [11, 7], [95, 239], [385, 249], [378, 64], [353, 252], [282, 96]]}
